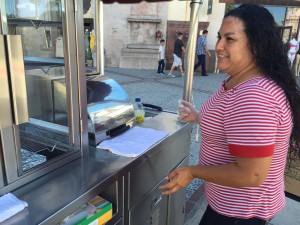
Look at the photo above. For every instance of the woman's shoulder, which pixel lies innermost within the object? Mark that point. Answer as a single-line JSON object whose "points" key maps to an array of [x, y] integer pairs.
{"points": [[259, 83], [262, 87], [270, 86]]}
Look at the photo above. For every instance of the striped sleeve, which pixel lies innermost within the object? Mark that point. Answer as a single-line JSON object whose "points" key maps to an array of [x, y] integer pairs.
{"points": [[251, 123]]}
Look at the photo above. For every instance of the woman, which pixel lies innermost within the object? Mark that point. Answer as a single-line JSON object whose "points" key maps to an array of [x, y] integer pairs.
{"points": [[296, 65], [247, 126], [293, 49]]}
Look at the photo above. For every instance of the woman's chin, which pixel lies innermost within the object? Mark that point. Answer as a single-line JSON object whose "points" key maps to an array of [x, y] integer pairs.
{"points": [[222, 68]]}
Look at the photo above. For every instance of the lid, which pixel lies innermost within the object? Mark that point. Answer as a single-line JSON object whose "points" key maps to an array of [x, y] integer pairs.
{"points": [[137, 100]]}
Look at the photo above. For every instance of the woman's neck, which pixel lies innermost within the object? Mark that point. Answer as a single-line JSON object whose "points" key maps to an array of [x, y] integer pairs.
{"points": [[244, 75]]}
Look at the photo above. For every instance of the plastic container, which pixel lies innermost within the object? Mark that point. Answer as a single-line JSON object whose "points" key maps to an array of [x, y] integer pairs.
{"points": [[139, 111]]}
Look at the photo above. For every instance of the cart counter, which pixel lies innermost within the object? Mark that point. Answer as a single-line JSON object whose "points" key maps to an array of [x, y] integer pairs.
{"points": [[127, 183]]}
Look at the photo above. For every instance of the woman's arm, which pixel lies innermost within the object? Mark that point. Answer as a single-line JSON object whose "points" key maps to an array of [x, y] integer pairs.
{"points": [[245, 172]]}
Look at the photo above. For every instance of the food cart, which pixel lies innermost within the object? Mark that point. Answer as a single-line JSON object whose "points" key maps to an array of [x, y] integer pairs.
{"points": [[49, 125]]}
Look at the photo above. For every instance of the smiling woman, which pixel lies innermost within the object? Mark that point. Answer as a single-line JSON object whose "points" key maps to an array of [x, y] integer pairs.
{"points": [[234, 55], [248, 125], [266, 2]]}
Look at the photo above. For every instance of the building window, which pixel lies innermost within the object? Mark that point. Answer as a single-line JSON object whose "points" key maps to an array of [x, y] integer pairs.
{"points": [[209, 7]]}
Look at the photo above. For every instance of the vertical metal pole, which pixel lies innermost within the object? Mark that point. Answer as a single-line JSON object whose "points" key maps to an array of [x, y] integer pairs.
{"points": [[190, 50], [3, 18], [81, 79], [298, 30], [99, 36]]}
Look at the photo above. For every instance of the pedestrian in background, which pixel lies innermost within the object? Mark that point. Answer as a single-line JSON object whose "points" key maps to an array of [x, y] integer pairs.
{"points": [[178, 51], [293, 49], [249, 126], [296, 68], [161, 57], [201, 51]]}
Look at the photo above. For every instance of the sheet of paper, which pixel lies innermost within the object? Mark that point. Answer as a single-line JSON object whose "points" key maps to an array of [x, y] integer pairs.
{"points": [[133, 142], [10, 205]]}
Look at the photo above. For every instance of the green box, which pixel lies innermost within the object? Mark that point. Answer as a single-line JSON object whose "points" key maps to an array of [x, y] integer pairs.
{"points": [[104, 210]]}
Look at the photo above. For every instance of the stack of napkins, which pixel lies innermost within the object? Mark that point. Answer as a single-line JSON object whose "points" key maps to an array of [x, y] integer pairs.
{"points": [[133, 142], [9, 206]]}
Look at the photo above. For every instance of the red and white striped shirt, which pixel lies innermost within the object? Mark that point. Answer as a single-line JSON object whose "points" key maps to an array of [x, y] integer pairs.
{"points": [[251, 120]]}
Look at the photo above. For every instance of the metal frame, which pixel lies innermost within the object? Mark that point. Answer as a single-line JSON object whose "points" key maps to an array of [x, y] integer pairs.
{"points": [[76, 104], [82, 92], [8, 142], [99, 36], [191, 49], [71, 69]]}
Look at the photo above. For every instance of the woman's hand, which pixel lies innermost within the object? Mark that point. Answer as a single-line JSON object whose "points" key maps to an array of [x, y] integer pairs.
{"points": [[187, 112], [179, 178]]}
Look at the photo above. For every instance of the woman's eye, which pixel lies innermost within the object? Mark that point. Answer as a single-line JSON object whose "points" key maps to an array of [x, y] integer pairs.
{"points": [[229, 39]]}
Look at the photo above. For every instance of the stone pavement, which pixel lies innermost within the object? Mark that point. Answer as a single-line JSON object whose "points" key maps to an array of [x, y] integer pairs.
{"points": [[288, 216], [165, 92]]}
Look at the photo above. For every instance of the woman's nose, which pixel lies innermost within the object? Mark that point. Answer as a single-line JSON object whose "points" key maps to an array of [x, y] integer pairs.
{"points": [[219, 45]]}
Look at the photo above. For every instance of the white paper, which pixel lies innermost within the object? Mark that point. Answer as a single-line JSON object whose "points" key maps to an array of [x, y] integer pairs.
{"points": [[9, 206], [133, 142]]}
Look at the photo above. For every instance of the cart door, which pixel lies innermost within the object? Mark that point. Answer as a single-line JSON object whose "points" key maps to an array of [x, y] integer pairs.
{"points": [[39, 116], [5, 112]]}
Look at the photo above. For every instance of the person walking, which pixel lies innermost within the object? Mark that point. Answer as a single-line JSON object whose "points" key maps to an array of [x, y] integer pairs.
{"points": [[250, 126], [178, 51], [296, 68], [293, 49], [161, 57], [201, 51]]}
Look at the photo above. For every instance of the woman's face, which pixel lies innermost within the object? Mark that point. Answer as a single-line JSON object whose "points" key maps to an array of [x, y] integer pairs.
{"points": [[234, 55]]}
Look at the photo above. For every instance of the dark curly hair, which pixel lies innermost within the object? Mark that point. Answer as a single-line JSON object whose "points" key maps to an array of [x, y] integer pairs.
{"points": [[267, 48]]}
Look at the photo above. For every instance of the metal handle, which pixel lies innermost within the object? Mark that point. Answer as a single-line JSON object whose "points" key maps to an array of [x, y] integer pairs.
{"points": [[156, 200], [17, 76], [5, 112]]}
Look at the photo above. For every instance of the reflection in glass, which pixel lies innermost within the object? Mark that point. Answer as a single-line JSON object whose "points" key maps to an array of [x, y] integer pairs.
{"points": [[42, 141], [46, 135]]}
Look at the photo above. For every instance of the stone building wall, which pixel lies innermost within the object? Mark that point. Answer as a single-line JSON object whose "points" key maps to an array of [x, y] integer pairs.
{"points": [[129, 38], [173, 28], [116, 32], [129, 29], [292, 18]]}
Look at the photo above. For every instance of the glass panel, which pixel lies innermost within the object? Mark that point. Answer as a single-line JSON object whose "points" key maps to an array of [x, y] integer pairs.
{"points": [[48, 10], [46, 135]]}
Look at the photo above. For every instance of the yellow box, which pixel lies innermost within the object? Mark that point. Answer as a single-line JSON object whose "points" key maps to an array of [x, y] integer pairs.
{"points": [[102, 212]]}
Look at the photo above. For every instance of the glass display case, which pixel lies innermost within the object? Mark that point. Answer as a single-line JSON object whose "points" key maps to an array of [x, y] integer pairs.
{"points": [[40, 128]]}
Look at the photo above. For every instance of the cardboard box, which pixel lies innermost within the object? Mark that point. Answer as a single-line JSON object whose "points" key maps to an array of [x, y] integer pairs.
{"points": [[292, 178], [97, 212], [100, 212]]}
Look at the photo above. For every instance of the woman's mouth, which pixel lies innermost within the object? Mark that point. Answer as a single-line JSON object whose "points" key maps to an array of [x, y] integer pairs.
{"points": [[221, 56]]}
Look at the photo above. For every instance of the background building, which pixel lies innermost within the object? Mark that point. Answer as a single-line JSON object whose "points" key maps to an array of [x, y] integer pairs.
{"points": [[292, 19], [132, 31]]}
